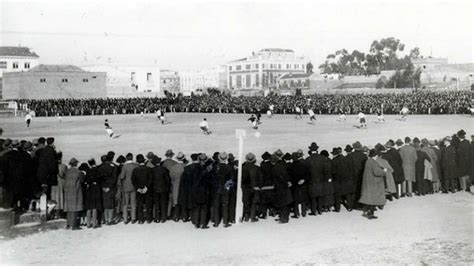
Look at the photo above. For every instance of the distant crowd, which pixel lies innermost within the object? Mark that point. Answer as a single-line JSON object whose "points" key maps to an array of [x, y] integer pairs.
{"points": [[417, 103], [203, 189]]}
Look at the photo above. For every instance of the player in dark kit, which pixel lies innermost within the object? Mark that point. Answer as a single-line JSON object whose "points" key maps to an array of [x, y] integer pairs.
{"points": [[254, 122], [108, 128]]}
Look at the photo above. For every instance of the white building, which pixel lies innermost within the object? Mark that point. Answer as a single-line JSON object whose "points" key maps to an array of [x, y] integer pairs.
{"points": [[262, 69], [14, 59], [199, 80], [130, 81]]}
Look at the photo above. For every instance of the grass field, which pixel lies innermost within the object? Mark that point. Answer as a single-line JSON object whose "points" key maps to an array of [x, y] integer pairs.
{"points": [[85, 137]]}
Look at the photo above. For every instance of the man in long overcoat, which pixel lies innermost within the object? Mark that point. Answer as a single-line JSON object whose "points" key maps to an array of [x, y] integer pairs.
{"points": [[108, 176], [300, 177], [224, 176], [47, 167], [448, 166], [462, 160], [267, 193], [357, 159], [373, 187], [176, 174], [129, 192], [200, 186], [251, 179], [408, 154], [161, 187], [342, 174], [142, 180], [395, 160], [282, 181], [320, 170]]}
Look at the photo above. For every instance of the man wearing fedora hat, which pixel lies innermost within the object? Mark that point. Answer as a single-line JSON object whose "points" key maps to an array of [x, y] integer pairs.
{"points": [[462, 159], [15, 178], [142, 180], [200, 184], [448, 165], [168, 162], [300, 176], [344, 188], [319, 170], [224, 176], [47, 167], [373, 187], [251, 183], [282, 183], [266, 193], [161, 187], [129, 192], [176, 174], [357, 159], [395, 160]]}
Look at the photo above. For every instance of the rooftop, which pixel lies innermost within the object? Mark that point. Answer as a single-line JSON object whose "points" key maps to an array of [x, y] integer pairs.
{"points": [[296, 75], [56, 68], [277, 50], [17, 51]]}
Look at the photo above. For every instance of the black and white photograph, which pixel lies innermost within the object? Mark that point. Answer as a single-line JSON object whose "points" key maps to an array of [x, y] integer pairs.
{"points": [[241, 132]]}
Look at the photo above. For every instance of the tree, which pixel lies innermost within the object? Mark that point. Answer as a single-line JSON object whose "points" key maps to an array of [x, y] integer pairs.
{"points": [[415, 53]]}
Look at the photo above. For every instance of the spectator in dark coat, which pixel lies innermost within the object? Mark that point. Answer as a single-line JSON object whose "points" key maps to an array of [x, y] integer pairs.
{"points": [[199, 184], [224, 176], [142, 180], [30, 174], [462, 160], [471, 160], [184, 198], [357, 159], [282, 181], [320, 171], [423, 186], [161, 189], [267, 193], [300, 176], [448, 165], [93, 194], [395, 160], [47, 167], [344, 188], [251, 177], [16, 179], [328, 187], [108, 179]]}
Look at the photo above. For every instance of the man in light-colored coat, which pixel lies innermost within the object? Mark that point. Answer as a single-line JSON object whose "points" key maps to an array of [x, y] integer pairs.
{"points": [[409, 157], [129, 191], [176, 172]]}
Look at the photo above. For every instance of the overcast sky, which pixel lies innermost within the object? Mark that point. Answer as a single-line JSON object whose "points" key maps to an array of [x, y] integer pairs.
{"points": [[189, 35]]}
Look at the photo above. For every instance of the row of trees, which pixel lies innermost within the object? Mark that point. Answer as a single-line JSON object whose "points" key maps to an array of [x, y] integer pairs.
{"points": [[383, 55]]}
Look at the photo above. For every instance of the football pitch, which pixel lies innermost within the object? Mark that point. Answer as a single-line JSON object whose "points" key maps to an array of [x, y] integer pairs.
{"points": [[85, 137]]}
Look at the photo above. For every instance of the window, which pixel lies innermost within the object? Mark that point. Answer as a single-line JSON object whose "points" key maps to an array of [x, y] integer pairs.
{"points": [[239, 81], [279, 66], [297, 66], [148, 76], [271, 66], [230, 82], [239, 67], [288, 66], [256, 66], [15, 65], [94, 77], [132, 76], [302, 66], [85, 80], [230, 68], [64, 80], [247, 66], [27, 65], [264, 65], [247, 81], [257, 82], [3, 64], [42, 80]]}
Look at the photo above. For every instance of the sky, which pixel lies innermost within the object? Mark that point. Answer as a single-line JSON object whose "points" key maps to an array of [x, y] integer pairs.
{"points": [[186, 35]]}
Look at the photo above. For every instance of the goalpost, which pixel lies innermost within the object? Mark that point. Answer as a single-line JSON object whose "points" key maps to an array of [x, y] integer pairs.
{"points": [[7, 107]]}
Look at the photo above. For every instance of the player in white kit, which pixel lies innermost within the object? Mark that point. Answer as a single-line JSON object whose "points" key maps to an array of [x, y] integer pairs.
{"points": [[28, 119], [404, 113], [312, 116], [161, 116], [362, 122], [204, 126], [270, 111], [298, 112]]}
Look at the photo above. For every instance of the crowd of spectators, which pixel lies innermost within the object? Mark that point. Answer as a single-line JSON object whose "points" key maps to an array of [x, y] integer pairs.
{"points": [[202, 189], [391, 103]]}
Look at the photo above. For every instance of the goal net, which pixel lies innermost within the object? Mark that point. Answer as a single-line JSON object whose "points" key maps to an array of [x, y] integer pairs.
{"points": [[8, 108]]}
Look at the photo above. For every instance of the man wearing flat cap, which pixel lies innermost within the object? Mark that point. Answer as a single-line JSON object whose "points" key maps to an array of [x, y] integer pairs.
{"points": [[462, 159], [319, 169], [224, 176]]}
